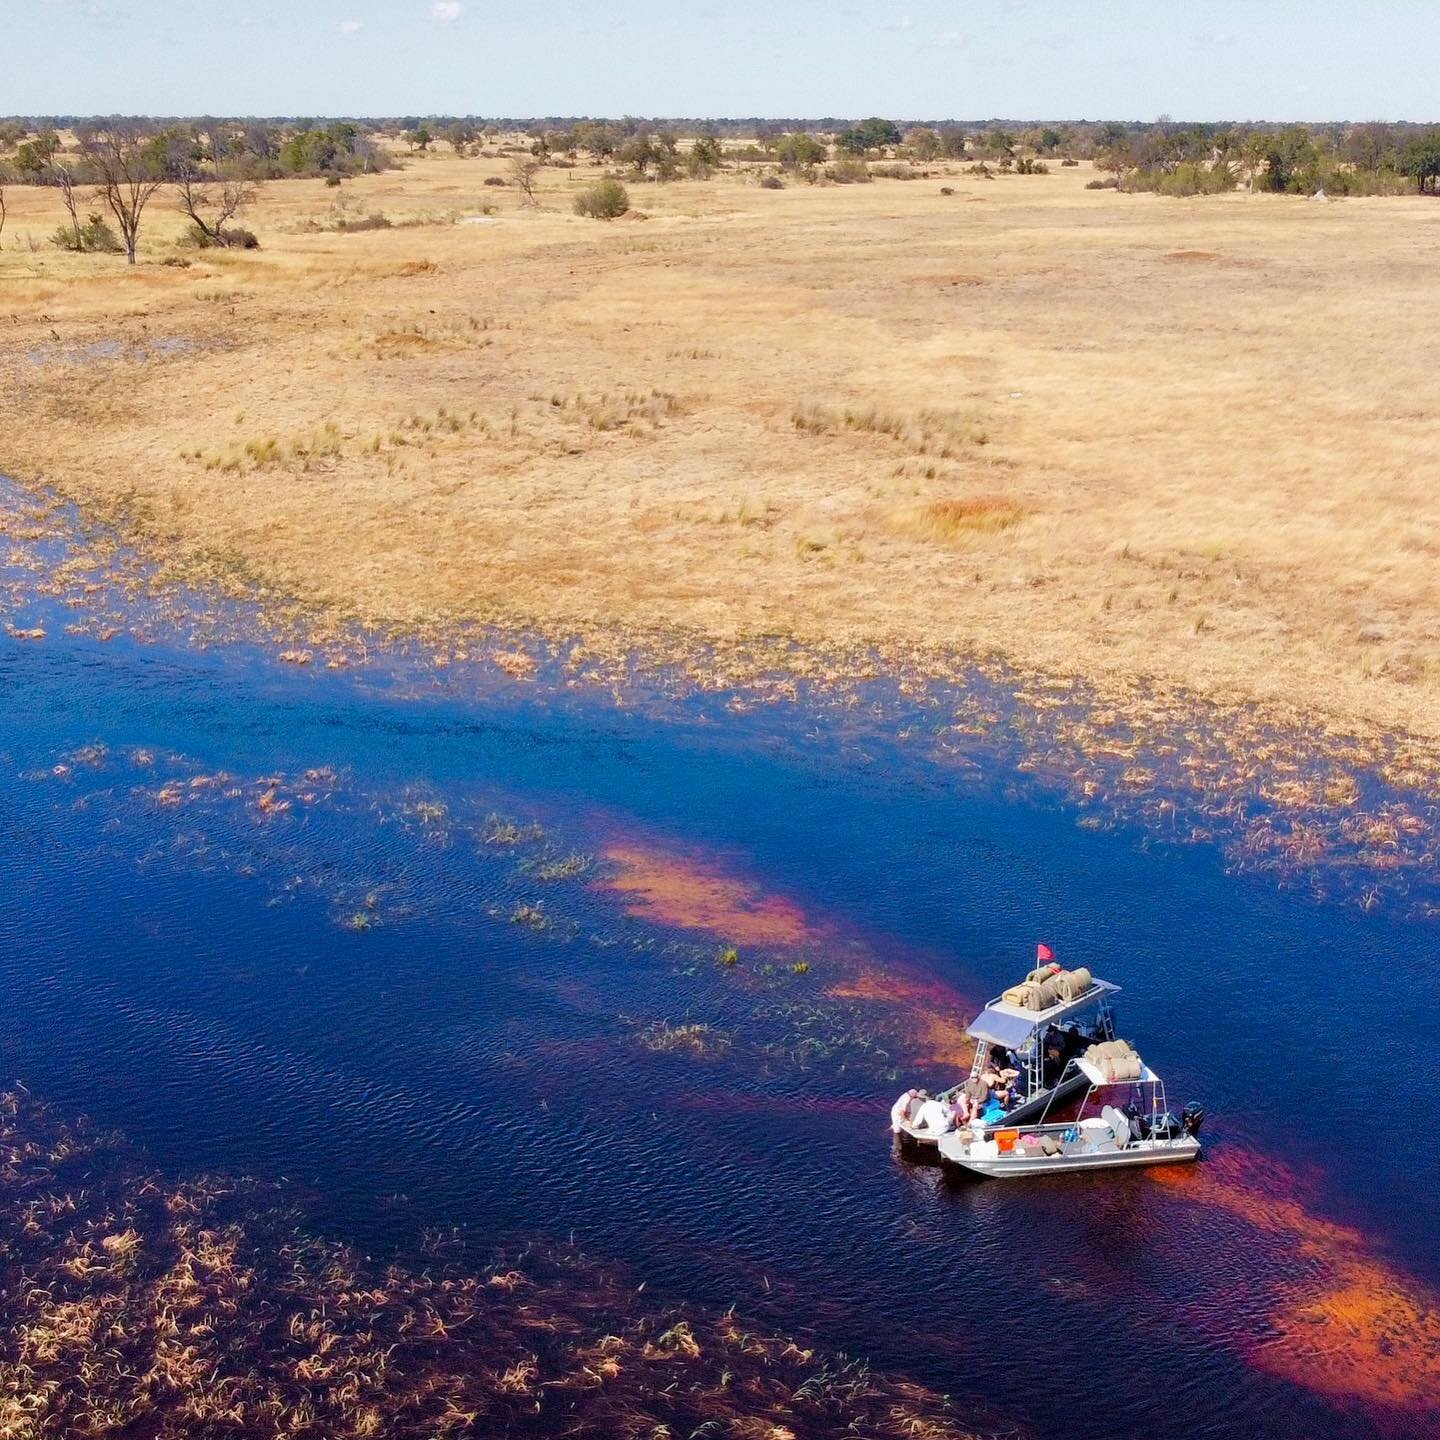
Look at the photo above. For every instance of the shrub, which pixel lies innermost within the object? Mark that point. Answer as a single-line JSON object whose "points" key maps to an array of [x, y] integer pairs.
{"points": [[332, 182], [374, 221], [772, 182], [234, 238], [848, 170], [1068, 162], [495, 180], [606, 200], [94, 237], [1110, 182], [1026, 166], [1191, 177], [946, 190], [893, 172]]}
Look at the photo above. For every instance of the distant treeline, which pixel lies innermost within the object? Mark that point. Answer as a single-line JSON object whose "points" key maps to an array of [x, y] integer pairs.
{"points": [[1167, 156]]}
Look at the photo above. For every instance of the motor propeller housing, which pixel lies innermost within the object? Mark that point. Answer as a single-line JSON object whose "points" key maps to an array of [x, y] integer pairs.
{"points": [[1192, 1118]]}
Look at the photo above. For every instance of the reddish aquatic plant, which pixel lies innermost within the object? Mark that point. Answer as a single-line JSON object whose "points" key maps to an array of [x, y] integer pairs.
{"points": [[694, 892]]}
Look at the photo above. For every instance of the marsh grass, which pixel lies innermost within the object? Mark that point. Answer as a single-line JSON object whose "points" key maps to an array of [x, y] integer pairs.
{"points": [[326, 446], [940, 433], [140, 1305], [1314, 525], [692, 1038], [950, 519]]}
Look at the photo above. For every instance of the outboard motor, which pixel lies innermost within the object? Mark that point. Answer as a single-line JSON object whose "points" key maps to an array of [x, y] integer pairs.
{"points": [[1192, 1118]]}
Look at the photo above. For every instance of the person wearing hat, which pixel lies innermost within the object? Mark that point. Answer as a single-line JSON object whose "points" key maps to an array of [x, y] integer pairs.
{"points": [[934, 1116], [900, 1111]]}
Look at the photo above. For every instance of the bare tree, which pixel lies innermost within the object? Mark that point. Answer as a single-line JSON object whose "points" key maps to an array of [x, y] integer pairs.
{"points": [[524, 169], [211, 202], [66, 181], [2, 207], [128, 173]]}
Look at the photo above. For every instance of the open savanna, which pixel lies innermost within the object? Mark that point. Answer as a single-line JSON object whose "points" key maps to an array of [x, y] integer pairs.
{"points": [[1192, 443]]}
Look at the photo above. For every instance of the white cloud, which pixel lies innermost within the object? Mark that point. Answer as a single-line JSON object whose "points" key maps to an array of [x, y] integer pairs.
{"points": [[350, 27], [447, 12]]}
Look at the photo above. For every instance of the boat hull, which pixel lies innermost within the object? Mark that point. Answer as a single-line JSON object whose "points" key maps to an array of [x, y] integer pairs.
{"points": [[1180, 1151]]}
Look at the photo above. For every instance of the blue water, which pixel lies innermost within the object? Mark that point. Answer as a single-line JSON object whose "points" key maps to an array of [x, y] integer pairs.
{"points": [[185, 969]]}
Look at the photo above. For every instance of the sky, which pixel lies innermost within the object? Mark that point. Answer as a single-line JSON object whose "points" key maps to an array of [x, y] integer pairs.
{"points": [[1018, 59]]}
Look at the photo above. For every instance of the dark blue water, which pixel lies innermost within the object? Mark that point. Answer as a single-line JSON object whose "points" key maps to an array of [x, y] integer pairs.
{"points": [[340, 992]]}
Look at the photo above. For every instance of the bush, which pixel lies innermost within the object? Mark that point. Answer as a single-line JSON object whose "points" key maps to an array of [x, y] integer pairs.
{"points": [[1192, 177], [1026, 166], [893, 172], [1109, 183], [946, 190], [848, 170], [332, 182], [1068, 162], [94, 237], [772, 182], [606, 200], [374, 221], [495, 180], [235, 238]]}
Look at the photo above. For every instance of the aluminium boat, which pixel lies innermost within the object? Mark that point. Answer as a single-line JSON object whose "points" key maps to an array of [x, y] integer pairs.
{"points": [[1102, 1136], [1011, 1036]]}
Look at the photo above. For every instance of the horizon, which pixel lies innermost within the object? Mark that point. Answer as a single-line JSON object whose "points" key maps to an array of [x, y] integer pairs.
{"points": [[1222, 62]]}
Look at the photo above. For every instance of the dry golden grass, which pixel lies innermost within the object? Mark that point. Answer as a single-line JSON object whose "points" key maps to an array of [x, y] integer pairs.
{"points": [[1098, 435]]}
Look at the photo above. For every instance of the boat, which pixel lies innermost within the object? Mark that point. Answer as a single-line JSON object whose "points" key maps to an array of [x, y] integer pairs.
{"points": [[1013, 1037], [1141, 1132]]}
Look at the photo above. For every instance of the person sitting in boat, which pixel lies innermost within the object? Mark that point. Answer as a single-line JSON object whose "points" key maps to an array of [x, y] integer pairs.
{"points": [[934, 1117], [904, 1109], [972, 1099]]}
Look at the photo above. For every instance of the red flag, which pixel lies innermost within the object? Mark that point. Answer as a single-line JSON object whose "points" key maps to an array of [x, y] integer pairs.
{"points": [[1044, 952]]}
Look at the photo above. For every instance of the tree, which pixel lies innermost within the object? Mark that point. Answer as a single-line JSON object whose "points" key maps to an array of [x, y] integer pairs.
{"points": [[419, 138], [1421, 161], [1369, 147], [66, 182], [459, 135], [1290, 161], [1117, 159], [122, 158], [799, 151], [639, 151], [872, 134], [35, 155], [924, 142], [524, 170], [2, 207], [211, 202], [705, 156]]}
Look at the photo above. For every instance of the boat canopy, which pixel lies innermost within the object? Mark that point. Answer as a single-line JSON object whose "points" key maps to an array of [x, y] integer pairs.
{"points": [[997, 1028], [1000, 1023]]}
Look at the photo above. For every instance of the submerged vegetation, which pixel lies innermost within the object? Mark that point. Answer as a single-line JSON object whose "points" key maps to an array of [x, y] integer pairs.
{"points": [[142, 1305]]}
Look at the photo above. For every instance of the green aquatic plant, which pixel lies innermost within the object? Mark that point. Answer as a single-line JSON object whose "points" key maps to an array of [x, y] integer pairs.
{"points": [[728, 956], [567, 867]]}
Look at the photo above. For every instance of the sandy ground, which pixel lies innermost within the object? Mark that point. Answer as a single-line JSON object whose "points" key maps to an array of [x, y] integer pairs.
{"points": [[1124, 438]]}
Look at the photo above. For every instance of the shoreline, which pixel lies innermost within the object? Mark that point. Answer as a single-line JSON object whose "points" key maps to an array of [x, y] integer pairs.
{"points": [[1343, 814]]}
